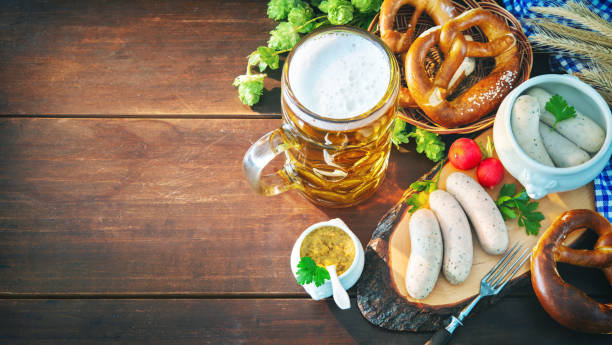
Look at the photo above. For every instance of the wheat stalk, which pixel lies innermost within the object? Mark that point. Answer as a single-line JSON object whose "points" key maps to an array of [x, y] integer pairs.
{"points": [[593, 44], [573, 47], [553, 28], [597, 76], [579, 13]]}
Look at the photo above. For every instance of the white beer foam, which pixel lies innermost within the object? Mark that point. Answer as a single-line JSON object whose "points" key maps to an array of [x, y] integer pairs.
{"points": [[339, 75]]}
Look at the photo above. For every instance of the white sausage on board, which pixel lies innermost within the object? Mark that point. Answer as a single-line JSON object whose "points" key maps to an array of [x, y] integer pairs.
{"points": [[425, 253], [482, 211], [456, 235]]}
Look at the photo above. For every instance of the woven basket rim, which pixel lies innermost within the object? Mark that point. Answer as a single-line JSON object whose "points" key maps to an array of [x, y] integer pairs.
{"points": [[419, 119]]}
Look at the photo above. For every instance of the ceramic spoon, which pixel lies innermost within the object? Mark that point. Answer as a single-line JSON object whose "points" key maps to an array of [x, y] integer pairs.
{"points": [[340, 296]]}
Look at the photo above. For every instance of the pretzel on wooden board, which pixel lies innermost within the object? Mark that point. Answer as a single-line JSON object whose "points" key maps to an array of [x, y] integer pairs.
{"points": [[565, 303], [440, 11], [483, 97]]}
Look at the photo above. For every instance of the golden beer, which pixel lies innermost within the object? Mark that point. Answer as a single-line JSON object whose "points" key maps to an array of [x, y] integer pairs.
{"points": [[338, 108]]}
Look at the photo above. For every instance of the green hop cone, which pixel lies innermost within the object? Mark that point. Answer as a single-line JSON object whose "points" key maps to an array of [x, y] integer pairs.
{"points": [[300, 15], [283, 37], [326, 5], [367, 6], [341, 14], [250, 87], [279, 9]]}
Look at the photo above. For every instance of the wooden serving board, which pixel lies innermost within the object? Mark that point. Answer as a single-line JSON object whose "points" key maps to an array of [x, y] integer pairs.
{"points": [[381, 293]]}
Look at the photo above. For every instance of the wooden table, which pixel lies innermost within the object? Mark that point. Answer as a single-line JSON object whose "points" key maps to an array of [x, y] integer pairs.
{"points": [[124, 213]]}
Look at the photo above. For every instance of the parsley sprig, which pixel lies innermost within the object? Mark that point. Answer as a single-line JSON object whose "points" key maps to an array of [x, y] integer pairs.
{"points": [[308, 272], [421, 191], [298, 17], [557, 106], [427, 142], [513, 206]]}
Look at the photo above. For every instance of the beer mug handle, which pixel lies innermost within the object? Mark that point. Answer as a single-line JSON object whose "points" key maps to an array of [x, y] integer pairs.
{"points": [[258, 156]]}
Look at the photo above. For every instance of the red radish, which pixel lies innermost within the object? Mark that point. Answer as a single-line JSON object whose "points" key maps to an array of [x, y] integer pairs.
{"points": [[464, 154], [490, 172]]}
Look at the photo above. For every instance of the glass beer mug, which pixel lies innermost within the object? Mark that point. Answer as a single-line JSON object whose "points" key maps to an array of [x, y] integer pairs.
{"points": [[339, 96]]}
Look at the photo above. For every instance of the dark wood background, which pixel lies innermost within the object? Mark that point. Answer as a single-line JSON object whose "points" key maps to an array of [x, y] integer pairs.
{"points": [[124, 213]]}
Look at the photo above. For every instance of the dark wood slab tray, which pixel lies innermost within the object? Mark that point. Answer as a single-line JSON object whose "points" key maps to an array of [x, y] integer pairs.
{"points": [[381, 295]]}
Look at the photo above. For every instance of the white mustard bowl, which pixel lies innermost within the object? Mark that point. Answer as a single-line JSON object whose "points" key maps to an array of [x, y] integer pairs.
{"points": [[347, 279], [539, 179]]}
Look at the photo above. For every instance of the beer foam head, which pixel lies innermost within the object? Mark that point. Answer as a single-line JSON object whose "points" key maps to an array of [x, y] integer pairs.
{"points": [[339, 74]]}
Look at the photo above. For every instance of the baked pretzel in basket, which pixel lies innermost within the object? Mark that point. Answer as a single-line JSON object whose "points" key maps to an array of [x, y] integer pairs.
{"points": [[440, 11], [563, 302], [483, 97]]}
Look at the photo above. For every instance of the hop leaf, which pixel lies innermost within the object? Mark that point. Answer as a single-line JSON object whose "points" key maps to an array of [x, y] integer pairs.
{"points": [[301, 14], [264, 57], [366, 6], [399, 135], [250, 87], [283, 37], [279, 9], [428, 142]]}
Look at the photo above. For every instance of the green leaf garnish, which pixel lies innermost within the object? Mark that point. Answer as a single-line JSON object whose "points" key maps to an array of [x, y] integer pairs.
{"points": [[427, 142], [264, 57], [518, 206], [421, 191], [308, 272], [557, 106]]}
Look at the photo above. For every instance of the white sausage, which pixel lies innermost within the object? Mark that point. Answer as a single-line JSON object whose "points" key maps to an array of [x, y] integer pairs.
{"points": [[526, 128], [562, 151], [580, 130], [486, 218], [425, 253], [456, 234]]}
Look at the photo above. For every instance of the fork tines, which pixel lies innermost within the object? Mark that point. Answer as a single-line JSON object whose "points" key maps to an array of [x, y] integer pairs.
{"points": [[499, 275]]}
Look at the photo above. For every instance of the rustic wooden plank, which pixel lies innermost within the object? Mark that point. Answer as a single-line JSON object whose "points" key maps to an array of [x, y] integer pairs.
{"points": [[256, 321], [129, 57], [154, 206]]}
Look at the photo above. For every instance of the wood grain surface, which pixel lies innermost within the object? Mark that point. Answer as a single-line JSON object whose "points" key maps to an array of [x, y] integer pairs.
{"points": [[150, 58], [256, 321], [152, 206], [135, 225]]}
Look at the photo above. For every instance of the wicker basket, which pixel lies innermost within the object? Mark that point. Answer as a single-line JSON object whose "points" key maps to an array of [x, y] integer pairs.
{"points": [[483, 66]]}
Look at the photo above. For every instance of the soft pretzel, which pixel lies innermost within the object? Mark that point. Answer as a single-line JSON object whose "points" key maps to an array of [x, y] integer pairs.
{"points": [[565, 303], [483, 97], [465, 68], [440, 11]]}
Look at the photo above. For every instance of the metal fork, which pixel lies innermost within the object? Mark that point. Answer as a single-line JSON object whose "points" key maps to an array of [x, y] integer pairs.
{"points": [[491, 284]]}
